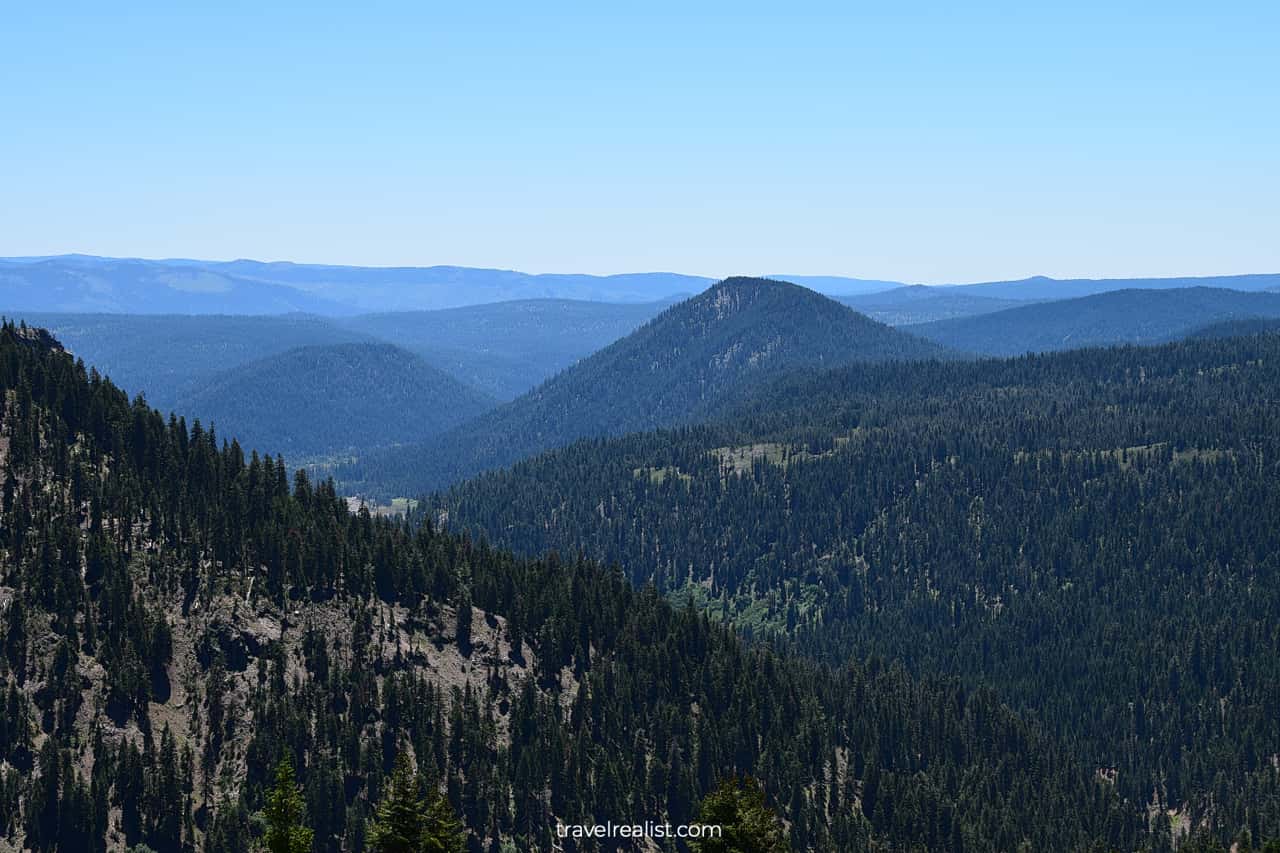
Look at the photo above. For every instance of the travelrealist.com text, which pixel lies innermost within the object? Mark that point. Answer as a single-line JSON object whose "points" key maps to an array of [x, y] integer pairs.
{"points": [[648, 829]]}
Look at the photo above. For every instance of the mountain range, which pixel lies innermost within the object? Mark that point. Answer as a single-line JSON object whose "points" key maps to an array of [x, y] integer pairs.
{"points": [[126, 286], [931, 603], [502, 349], [86, 283], [679, 366]]}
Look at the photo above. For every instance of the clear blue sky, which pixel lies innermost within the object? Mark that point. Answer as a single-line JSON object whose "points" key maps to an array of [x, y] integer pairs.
{"points": [[892, 140]]}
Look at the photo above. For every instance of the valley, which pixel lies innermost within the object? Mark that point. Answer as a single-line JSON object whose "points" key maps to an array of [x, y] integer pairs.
{"points": [[757, 492]]}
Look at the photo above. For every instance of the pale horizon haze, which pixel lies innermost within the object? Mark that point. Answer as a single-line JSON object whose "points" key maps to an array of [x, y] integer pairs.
{"points": [[937, 145]]}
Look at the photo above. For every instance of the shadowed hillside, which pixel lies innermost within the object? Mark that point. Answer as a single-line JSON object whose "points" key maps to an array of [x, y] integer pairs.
{"points": [[506, 348], [320, 400], [1118, 317]]}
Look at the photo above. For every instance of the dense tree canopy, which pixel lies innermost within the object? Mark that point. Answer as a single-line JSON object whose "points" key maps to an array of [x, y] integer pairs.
{"points": [[1091, 534], [176, 618]]}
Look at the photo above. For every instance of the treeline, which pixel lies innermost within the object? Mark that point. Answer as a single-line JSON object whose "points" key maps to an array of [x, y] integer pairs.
{"points": [[178, 618], [1092, 535]]}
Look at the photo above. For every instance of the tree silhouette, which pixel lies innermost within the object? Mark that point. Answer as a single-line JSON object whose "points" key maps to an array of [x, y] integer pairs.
{"points": [[406, 823], [284, 813]]}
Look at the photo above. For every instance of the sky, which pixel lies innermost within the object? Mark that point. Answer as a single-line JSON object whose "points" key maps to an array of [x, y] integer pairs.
{"points": [[906, 141]]}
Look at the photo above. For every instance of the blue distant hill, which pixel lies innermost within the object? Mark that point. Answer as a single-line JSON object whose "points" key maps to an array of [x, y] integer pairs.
{"points": [[1041, 287], [82, 284], [1101, 319], [85, 283]]}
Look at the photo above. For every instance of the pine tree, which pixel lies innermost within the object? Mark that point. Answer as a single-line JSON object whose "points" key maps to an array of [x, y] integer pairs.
{"points": [[401, 816], [747, 824], [464, 621], [284, 814], [405, 823], [444, 832]]}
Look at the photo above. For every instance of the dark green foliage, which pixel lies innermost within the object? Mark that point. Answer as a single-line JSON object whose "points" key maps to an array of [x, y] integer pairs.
{"points": [[464, 618], [628, 708], [405, 822], [678, 367], [1093, 535], [284, 815], [400, 821], [746, 823], [443, 832]]}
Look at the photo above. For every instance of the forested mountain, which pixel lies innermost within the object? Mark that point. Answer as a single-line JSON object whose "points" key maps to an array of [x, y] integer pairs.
{"points": [[316, 401], [920, 304], [1119, 317], [1094, 535], [506, 348], [176, 619], [679, 366]]}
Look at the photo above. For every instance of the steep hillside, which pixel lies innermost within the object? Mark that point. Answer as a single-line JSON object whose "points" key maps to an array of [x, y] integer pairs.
{"points": [[1093, 535], [176, 619], [679, 366], [1119, 317], [506, 348], [319, 400]]}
